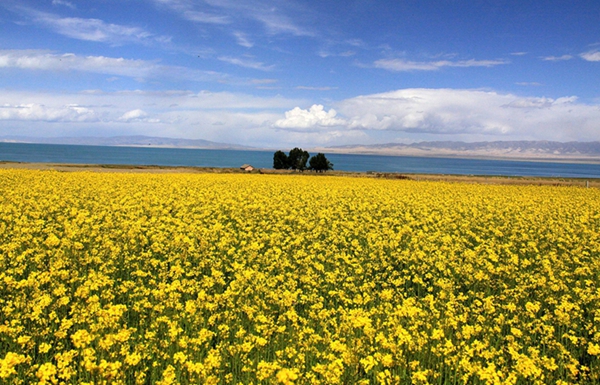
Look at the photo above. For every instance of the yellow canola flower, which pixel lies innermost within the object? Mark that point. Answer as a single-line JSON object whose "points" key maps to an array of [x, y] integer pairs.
{"points": [[133, 359], [209, 278], [52, 241], [593, 349], [420, 377], [287, 376], [168, 377], [47, 374], [368, 363], [81, 338], [9, 362], [266, 369]]}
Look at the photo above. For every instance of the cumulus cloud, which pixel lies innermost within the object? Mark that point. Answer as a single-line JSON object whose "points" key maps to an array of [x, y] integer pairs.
{"points": [[218, 116], [450, 112], [412, 114], [133, 115], [333, 137], [540, 102], [593, 55], [400, 65], [137, 69], [137, 115], [313, 118]]}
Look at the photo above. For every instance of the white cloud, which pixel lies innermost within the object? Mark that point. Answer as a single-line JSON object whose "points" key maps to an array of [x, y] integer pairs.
{"points": [[137, 115], [557, 58], [446, 113], [414, 114], [247, 63], [540, 102], [340, 48], [174, 3], [273, 15], [189, 12], [133, 114], [333, 137], [207, 18], [309, 88], [593, 55], [63, 2], [44, 60], [93, 29], [404, 65], [407, 65], [137, 69], [263, 81], [314, 118], [41, 112], [243, 40], [218, 116], [278, 24], [324, 54]]}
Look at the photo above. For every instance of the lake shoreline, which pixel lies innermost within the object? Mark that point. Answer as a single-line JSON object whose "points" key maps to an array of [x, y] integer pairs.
{"points": [[437, 153], [217, 159], [543, 158], [156, 169]]}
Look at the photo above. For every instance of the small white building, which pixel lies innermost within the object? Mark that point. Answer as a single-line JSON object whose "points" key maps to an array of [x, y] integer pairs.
{"points": [[247, 167]]}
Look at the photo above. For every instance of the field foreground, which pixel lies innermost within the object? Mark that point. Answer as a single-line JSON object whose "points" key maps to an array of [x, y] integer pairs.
{"points": [[260, 279]]}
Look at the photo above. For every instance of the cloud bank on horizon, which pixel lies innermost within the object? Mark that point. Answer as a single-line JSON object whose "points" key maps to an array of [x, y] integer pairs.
{"points": [[273, 73]]}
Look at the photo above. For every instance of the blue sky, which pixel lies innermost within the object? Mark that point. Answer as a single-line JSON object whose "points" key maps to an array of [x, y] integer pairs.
{"points": [[281, 73]]}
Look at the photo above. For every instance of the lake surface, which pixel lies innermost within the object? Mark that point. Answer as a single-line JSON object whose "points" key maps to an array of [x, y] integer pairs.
{"points": [[55, 153]]}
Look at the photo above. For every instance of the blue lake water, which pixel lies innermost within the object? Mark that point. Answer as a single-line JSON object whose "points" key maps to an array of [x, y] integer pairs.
{"points": [[53, 153]]}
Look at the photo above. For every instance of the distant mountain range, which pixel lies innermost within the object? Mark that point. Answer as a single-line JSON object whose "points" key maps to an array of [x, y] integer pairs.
{"points": [[525, 150], [530, 150], [131, 141]]}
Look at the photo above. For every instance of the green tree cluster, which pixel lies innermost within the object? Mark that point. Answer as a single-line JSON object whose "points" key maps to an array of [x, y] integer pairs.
{"points": [[320, 163], [297, 159]]}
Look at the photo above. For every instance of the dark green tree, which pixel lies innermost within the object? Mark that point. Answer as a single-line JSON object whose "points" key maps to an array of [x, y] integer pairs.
{"points": [[297, 159], [280, 161], [320, 163]]}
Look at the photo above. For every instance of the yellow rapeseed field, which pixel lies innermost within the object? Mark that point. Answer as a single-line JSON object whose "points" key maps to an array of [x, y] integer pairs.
{"points": [[293, 279]]}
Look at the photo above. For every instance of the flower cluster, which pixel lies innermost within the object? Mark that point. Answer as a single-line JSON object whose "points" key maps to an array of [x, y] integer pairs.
{"points": [[265, 279]]}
